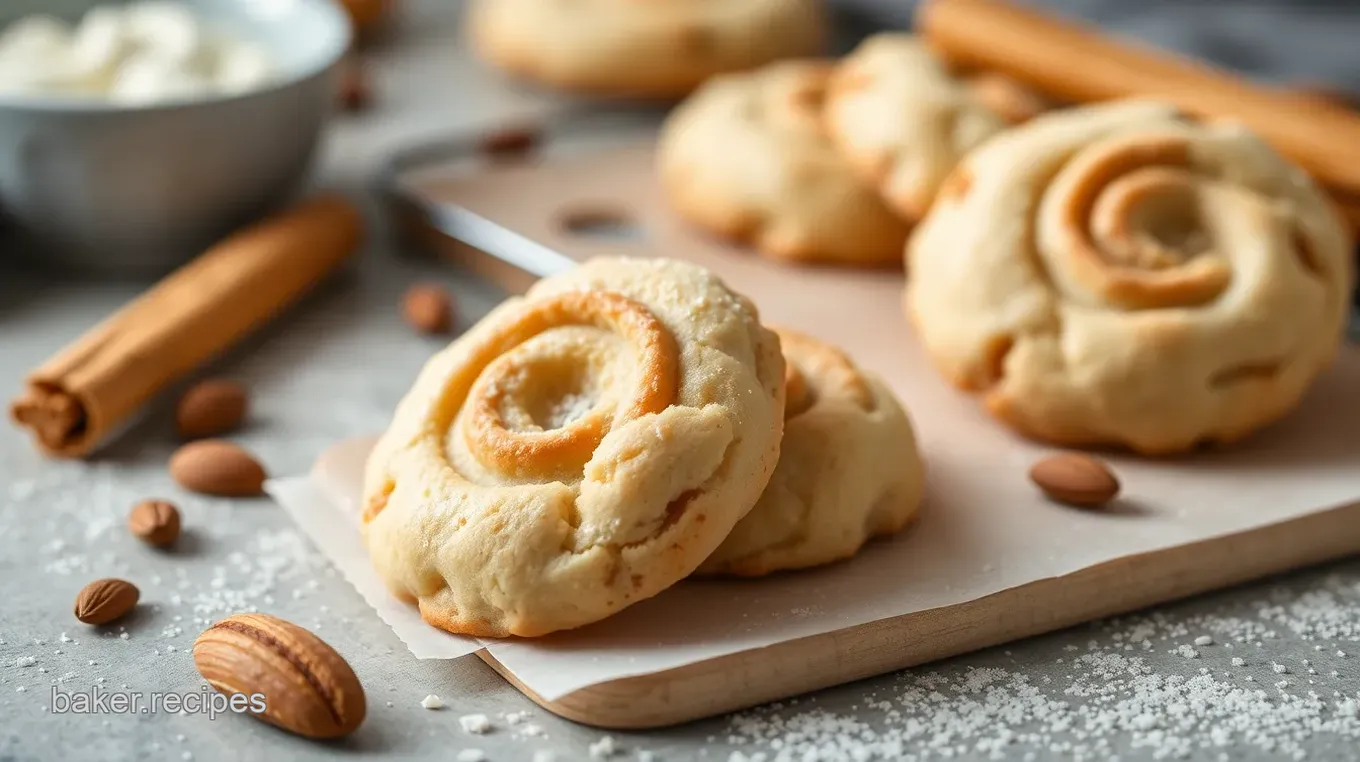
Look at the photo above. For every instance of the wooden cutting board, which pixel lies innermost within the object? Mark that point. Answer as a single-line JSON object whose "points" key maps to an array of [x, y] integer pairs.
{"points": [[514, 222]]}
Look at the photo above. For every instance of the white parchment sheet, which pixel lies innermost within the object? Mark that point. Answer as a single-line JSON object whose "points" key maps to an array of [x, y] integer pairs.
{"points": [[983, 529]]}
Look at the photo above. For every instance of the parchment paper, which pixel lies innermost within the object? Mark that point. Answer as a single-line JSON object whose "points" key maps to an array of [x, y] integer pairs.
{"points": [[984, 529]]}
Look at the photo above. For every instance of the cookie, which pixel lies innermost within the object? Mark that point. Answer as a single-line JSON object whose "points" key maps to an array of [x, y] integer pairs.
{"points": [[1007, 98], [746, 158], [902, 120], [848, 469], [626, 48], [1117, 275], [580, 449]]}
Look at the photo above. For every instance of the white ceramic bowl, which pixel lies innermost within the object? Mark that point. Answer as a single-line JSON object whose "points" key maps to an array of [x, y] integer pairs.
{"points": [[99, 187]]}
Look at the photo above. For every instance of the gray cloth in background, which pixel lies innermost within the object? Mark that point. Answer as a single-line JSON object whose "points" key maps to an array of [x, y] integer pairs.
{"points": [[1314, 42]]}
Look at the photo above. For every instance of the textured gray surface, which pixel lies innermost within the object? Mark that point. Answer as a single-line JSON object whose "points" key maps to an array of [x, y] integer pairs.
{"points": [[335, 367]]}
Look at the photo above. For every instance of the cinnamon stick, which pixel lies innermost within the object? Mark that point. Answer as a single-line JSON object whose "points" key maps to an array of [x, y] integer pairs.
{"points": [[73, 401], [1075, 63]]}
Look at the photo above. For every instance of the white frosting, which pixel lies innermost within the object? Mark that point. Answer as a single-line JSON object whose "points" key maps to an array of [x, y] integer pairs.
{"points": [[144, 52]]}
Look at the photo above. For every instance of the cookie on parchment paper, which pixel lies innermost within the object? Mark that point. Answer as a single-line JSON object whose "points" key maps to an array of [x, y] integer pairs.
{"points": [[746, 158], [1119, 275], [903, 120], [849, 469], [582, 448]]}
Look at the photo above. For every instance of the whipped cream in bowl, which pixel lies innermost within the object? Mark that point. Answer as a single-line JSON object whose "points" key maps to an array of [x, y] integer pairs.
{"points": [[135, 133], [151, 51]]}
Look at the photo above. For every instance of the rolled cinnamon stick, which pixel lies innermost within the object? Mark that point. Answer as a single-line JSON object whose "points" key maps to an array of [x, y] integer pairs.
{"points": [[74, 400], [1074, 63]]}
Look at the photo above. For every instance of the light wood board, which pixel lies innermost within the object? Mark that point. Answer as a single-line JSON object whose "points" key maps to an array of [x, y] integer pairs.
{"points": [[535, 200]]}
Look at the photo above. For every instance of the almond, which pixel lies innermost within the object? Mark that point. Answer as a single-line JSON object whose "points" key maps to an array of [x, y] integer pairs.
{"points": [[211, 408], [306, 687], [215, 467], [355, 94], [509, 143], [105, 600], [156, 522], [1075, 479], [428, 308]]}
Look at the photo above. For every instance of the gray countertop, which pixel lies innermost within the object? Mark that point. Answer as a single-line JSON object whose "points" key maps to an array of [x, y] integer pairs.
{"points": [[1280, 679]]}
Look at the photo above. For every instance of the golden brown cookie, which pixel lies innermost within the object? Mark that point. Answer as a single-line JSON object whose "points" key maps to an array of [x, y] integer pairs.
{"points": [[848, 469], [902, 120], [1118, 275], [580, 449], [746, 158], [652, 49]]}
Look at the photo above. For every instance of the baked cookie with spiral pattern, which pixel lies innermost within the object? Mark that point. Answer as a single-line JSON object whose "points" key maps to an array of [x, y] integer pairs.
{"points": [[1118, 275], [902, 119], [654, 49], [580, 449], [746, 158], [849, 469]]}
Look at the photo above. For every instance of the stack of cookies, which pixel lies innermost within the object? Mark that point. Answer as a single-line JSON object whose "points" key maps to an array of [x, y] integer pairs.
{"points": [[617, 429], [831, 162]]}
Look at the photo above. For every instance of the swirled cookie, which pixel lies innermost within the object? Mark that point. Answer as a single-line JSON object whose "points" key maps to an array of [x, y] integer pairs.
{"points": [[653, 49], [580, 449], [745, 157], [848, 469], [902, 120], [1117, 275]]}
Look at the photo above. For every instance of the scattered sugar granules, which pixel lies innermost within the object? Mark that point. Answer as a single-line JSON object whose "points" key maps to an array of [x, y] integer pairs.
{"points": [[433, 702], [475, 723], [1117, 698], [603, 748], [471, 755]]}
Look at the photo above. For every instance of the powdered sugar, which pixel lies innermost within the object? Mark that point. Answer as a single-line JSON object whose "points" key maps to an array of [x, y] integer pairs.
{"points": [[1111, 697], [475, 723], [604, 748]]}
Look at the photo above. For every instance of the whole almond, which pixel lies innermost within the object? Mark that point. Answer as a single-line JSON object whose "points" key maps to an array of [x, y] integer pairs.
{"points": [[428, 308], [510, 142], [307, 687], [105, 600], [1075, 479], [156, 522], [211, 408], [355, 93], [215, 467]]}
